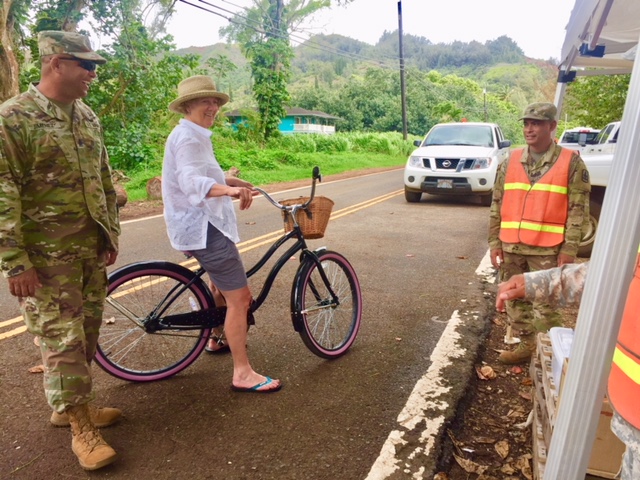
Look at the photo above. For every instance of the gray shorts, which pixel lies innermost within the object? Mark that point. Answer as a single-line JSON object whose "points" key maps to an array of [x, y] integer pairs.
{"points": [[222, 261]]}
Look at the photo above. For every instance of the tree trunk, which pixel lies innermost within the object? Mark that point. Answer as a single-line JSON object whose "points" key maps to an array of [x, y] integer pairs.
{"points": [[9, 68], [70, 20]]}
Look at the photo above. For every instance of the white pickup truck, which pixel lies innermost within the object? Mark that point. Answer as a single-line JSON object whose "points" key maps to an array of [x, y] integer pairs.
{"points": [[598, 159], [599, 167], [606, 140]]}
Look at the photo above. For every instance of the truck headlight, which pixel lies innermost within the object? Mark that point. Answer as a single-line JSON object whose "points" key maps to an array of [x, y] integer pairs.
{"points": [[415, 161], [482, 163]]}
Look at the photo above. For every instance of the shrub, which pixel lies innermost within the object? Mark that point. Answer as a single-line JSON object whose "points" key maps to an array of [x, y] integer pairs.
{"points": [[331, 143]]}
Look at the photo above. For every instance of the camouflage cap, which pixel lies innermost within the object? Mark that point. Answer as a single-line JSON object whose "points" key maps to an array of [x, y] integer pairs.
{"points": [[540, 111], [51, 42]]}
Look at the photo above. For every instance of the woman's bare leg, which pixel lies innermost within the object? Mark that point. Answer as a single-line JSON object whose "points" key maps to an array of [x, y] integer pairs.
{"points": [[235, 326], [216, 343]]}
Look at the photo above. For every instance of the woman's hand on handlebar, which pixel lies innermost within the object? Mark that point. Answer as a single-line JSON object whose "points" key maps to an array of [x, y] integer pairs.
{"points": [[241, 192], [237, 182], [245, 195]]}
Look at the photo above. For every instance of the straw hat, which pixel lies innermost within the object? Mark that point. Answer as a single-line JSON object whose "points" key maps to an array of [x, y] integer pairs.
{"points": [[198, 86]]}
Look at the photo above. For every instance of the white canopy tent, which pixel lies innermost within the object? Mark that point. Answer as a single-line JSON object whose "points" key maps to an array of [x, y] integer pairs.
{"points": [[603, 35]]}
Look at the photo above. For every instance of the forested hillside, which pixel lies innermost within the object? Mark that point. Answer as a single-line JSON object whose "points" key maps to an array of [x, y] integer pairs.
{"points": [[360, 83], [264, 68]]}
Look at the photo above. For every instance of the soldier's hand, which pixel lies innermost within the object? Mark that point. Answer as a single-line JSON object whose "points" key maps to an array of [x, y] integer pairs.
{"points": [[111, 257], [563, 259], [509, 290], [497, 257], [25, 284]]}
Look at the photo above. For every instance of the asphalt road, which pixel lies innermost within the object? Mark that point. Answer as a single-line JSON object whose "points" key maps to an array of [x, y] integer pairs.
{"points": [[378, 412]]}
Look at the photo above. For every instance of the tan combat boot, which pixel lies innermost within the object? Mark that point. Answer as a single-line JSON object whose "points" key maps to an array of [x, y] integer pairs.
{"points": [[87, 443], [100, 416], [521, 354]]}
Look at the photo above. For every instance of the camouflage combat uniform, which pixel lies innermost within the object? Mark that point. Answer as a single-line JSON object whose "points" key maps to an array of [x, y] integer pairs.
{"points": [[518, 258], [558, 286], [57, 214], [563, 287], [630, 436]]}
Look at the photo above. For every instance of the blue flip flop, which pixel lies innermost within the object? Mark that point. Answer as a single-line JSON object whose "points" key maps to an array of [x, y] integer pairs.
{"points": [[256, 388]]}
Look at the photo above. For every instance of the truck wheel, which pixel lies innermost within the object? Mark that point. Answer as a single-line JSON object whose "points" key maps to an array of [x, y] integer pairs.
{"points": [[590, 230], [412, 197], [485, 200]]}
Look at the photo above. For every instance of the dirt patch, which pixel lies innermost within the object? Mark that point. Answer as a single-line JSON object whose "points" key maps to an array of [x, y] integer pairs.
{"points": [[146, 208], [490, 438]]}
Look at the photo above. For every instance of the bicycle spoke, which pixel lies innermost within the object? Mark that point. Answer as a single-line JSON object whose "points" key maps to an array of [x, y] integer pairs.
{"points": [[133, 345], [329, 311]]}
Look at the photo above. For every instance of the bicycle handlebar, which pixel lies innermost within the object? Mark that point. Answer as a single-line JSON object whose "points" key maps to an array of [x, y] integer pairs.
{"points": [[316, 177]]}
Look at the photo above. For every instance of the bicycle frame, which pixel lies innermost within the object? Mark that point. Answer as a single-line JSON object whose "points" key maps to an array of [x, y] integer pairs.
{"points": [[214, 316], [299, 246]]}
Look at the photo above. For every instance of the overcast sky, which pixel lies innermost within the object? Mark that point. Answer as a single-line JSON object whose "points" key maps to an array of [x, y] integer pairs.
{"points": [[537, 27]]}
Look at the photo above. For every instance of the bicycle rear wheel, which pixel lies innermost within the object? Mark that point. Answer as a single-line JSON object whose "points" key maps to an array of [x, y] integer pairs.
{"points": [[129, 347], [328, 328]]}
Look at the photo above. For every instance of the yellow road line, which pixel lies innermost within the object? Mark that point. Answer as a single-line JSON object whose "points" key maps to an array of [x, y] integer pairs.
{"points": [[245, 246], [14, 332], [6, 323]]}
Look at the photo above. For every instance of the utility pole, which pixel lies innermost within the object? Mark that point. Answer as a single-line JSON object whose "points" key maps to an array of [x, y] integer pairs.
{"points": [[402, 87], [484, 94]]}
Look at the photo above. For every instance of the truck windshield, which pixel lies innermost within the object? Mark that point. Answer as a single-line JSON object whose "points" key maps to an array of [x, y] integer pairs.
{"points": [[472, 135], [603, 136], [574, 137]]}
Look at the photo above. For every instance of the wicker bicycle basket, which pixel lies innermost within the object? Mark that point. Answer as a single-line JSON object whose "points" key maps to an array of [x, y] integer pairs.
{"points": [[313, 221]]}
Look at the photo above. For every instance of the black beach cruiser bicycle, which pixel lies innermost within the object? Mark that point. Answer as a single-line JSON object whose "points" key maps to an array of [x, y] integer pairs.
{"points": [[159, 315]]}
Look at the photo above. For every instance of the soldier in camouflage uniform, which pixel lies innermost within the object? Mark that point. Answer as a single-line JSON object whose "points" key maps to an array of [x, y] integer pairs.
{"points": [[563, 286], [540, 155], [59, 230]]}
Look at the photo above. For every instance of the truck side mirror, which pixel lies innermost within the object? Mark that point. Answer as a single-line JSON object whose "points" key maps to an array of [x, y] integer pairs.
{"points": [[582, 139], [417, 143], [505, 144]]}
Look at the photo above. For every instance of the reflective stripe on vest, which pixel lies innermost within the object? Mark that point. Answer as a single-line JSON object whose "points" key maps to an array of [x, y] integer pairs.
{"points": [[535, 214], [624, 379]]}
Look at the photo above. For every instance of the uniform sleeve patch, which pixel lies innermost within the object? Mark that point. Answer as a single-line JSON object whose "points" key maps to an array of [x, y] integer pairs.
{"points": [[585, 176]]}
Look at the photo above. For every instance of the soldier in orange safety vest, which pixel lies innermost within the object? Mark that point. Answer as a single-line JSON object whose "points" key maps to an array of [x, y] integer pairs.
{"points": [[563, 286], [540, 204]]}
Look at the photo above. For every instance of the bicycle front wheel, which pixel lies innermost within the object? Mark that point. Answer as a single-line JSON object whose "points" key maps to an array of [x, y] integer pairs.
{"points": [[328, 324], [131, 347]]}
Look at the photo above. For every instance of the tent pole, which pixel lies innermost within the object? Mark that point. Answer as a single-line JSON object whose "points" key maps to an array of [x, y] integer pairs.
{"points": [[600, 313]]}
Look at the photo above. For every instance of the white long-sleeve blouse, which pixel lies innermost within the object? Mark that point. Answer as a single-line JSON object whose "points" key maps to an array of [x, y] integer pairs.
{"points": [[189, 171]]}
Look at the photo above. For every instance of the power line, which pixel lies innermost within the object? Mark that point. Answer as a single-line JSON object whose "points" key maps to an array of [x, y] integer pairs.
{"points": [[292, 37]]}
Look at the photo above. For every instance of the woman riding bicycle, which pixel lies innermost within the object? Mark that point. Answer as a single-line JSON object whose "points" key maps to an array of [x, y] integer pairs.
{"points": [[200, 216]]}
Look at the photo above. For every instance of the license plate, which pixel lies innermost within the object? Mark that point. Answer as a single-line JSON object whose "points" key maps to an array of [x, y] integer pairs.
{"points": [[445, 183]]}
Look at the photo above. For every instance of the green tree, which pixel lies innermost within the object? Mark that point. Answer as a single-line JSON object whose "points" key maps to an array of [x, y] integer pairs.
{"points": [[263, 34], [13, 14], [221, 67], [598, 100], [136, 84], [132, 94]]}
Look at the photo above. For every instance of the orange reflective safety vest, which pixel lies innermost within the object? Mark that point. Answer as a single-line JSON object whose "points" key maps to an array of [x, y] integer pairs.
{"points": [[624, 379], [535, 214]]}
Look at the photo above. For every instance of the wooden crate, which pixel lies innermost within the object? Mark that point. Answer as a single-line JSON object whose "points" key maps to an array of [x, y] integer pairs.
{"points": [[539, 447], [607, 449], [539, 400], [544, 356]]}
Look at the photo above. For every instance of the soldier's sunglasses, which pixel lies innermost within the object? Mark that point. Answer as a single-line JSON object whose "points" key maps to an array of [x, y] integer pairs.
{"points": [[88, 65]]}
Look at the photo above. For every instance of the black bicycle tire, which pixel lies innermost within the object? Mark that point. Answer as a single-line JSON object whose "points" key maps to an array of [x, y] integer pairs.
{"points": [[137, 272], [303, 321]]}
